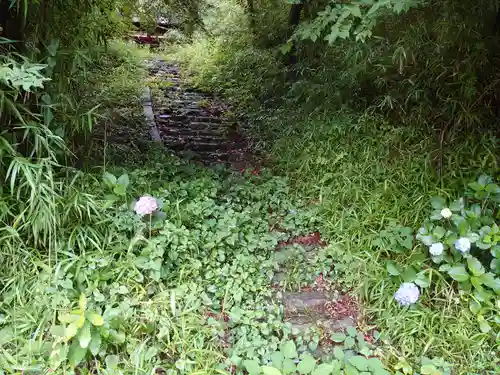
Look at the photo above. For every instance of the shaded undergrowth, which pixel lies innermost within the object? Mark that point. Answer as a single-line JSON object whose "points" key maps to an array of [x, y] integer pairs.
{"points": [[373, 179]]}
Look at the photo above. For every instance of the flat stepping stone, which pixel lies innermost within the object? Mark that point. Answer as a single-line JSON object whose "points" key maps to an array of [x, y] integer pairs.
{"points": [[309, 309], [302, 302], [304, 323]]}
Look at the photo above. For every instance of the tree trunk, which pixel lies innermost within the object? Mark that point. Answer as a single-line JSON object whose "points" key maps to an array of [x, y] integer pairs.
{"points": [[251, 14], [12, 23], [496, 26], [293, 22]]}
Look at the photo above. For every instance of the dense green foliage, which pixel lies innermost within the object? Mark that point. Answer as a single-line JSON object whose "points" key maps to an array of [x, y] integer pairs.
{"points": [[373, 131], [380, 117]]}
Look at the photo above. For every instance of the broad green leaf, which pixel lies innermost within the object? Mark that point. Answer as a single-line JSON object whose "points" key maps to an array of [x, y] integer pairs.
{"points": [[84, 335], [338, 337], [361, 363], [495, 251], [80, 321], [484, 326], [492, 188], [323, 369], [56, 330], [438, 203], [482, 295], [277, 359], [119, 190], [312, 346], [289, 366], [252, 366], [268, 370], [350, 370], [110, 199], [123, 180], [476, 282], [409, 275], [76, 353], [463, 227], [290, 350], [423, 280], [458, 273], [490, 281], [474, 306], [95, 342], [95, 319], [351, 331], [475, 266], [484, 179], [112, 361], [109, 179], [349, 343], [285, 48], [439, 232], [392, 269], [476, 186], [483, 245], [69, 318], [404, 365], [70, 331], [122, 289], [354, 10], [338, 353], [428, 370], [306, 365], [375, 364]]}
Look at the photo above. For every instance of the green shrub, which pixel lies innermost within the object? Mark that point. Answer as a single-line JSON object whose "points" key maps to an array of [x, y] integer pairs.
{"points": [[462, 238]]}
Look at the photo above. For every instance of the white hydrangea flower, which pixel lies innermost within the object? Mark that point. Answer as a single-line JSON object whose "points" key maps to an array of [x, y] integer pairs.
{"points": [[407, 294], [436, 249], [462, 244], [446, 213], [146, 205]]}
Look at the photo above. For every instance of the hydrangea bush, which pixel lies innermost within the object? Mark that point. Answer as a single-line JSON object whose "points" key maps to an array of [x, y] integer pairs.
{"points": [[462, 239]]}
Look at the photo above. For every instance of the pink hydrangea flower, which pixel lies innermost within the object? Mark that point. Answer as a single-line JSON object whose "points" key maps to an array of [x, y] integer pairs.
{"points": [[146, 205]]}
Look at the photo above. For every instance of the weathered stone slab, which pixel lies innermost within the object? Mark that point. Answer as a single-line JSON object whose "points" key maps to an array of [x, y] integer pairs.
{"points": [[301, 302]]}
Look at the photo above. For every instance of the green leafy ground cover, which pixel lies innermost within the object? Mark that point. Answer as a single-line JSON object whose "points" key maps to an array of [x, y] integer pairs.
{"points": [[375, 182], [89, 287]]}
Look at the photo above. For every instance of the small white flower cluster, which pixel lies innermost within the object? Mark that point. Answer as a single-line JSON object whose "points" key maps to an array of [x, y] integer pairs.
{"points": [[463, 245], [446, 213], [407, 294], [146, 205], [436, 249]]}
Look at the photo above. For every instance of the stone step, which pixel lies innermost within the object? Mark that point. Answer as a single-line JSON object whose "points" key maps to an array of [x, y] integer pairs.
{"points": [[184, 111], [307, 322], [185, 118], [195, 145], [191, 122], [302, 302], [207, 126], [188, 132], [308, 309], [191, 138]]}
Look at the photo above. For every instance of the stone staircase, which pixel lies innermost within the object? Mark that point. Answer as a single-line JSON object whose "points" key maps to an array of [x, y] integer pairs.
{"points": [[194, 124]]}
